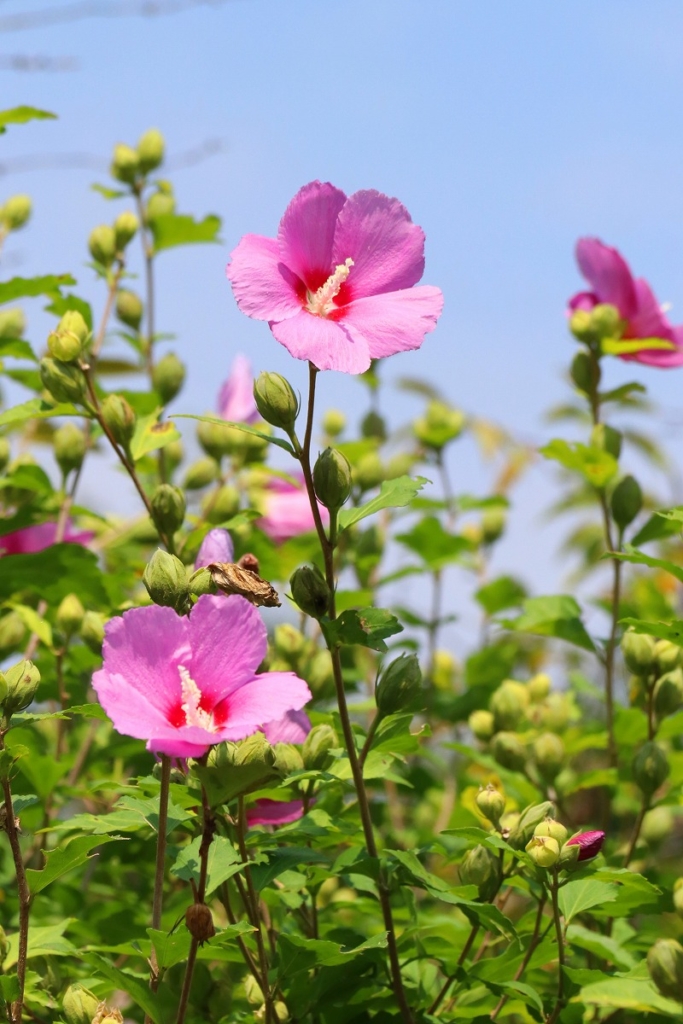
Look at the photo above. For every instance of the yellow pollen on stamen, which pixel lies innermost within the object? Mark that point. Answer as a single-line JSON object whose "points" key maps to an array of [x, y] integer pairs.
{"points": [[192, 695], [322, 302]]}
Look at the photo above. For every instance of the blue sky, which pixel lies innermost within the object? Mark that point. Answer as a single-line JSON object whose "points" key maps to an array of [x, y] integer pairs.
{"points": [[508, 130]]}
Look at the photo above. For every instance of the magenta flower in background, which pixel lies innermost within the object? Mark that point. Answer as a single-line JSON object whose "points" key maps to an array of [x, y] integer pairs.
{"points": [[337, 285], [612, 282], [236, 396], [274, 812], [288, 510], [186, 683], [590, 844], [32, 539], [217, 546]]}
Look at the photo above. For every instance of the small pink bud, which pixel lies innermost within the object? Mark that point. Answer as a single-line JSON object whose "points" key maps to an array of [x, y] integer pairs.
{"points": [[589, 842]]}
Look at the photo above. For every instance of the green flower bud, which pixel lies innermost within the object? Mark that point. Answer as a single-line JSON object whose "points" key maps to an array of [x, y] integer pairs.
{"points": [[668, 695], [581, 326], [287, 758], [493, 523], [538, 687], [665, 964], [556, 712], [443, 669], [168, 376], [217, 439], [70, 446], [276, 401], [150, 150], [125, 165], [439, 425], [310, 591], [657, 825], [289, 642], [368, 472], [319, 675], [102, 244], [201, 582], [509, 704], [606, 321], [119, 418], [373, 425], [79, 1005], [549, 828], [569, 857], [399, 686], [4, 946], [92, 631], [129, 308], [317, 746], [638, 650], [65, 382], [168, 508], [5, 453], [252, 991], [678, 896], [200, 474], [607, 439], [22, 682], [332, 478], [491, 803], [16, 212], [334, 422], [544, 851], [112, 1015], [160, 204], [531, 816], [626, 501], [221, 505], [480, 867], [509, 751], [70, 615], [166, 581], [549, 754], [482, 725], [74, 323], [173, 455], [125, 229], [668, 656], [585, 373], [12, 631], [650, 768], [12, 323]]}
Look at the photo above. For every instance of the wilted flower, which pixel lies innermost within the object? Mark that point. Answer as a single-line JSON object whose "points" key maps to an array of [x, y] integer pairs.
{"points": [[288, 510], [612, 282], [590, 844], [236, 396], [31, 539], [337, 284], [217, 546], [186, 683]]}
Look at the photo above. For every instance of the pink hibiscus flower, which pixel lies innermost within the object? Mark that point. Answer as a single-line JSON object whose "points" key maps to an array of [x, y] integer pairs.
{"points": [[612, 282], [288, 510], [293, 727], [589, 843], [32, 539], [337, 284], [184, 684], [217, 546], [236, 396]]}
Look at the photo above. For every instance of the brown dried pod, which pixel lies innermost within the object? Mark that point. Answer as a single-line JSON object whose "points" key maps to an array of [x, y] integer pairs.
{"points": [[199, 922], [234, 579]]}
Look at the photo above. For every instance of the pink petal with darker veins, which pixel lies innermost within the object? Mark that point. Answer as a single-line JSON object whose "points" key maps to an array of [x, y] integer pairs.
{"points": [[326, 343], [608, 273], [228, 641], [267, 696], [274, 812], [386, 247], [306, 232], [263, 286], [396, 321], [293, 727]]}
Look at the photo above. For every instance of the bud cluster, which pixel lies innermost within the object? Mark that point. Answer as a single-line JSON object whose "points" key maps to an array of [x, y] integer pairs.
{"points": [[291, 651]]}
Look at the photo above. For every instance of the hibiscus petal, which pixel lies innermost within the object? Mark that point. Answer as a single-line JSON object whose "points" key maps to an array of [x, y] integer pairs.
{"points": [[306, 233], [326, 343], [217, 546], [274, 812], [583, 300], [394, 322], [134, 710], [608, 274], [660, 358], [185, 742], [648, 321], [228, 640], [293, 727], [263, 287], [236, 396], [386, 247], [263, 699]]}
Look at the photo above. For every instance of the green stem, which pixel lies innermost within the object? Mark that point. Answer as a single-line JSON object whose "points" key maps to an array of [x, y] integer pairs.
{"points": [[159, 871], [208, 832], [533, 942], [16, 1009], [254, 911], [559, 1003]]}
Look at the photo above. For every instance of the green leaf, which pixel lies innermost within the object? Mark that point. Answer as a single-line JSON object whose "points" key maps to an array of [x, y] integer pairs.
{"points": [[30, 287], [35, 623], [297, 954], [622, 392], [657, 526], [224, 862], [556, 615], [43, 940], [65, 859], [672, 631], [504, 592], [479, 837], [367, 627], [37, 408], [28, 478], [173, 229], [137, 987], [20, 115], [109, 193], [16, 347], [395, 493], [64, 303], [53, 573], [285, 445], [9, 985], [627, 994], [577, 896], [603, 946], [434, 544], [150, 434], [594, 464], [637, 558]]}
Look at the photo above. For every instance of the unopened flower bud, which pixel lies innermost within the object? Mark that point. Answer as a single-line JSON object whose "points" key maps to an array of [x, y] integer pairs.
{"points": [[168, 508], [443, 670], [626, 501], [119, 417], [22, 682], [74, 323], [317, 746], [482, 725], [373, 425], [287, 758], [5, 453], [585, 372], [531, 816], [668, 695], [310, 591], [12, 631], [253, 991], [650, 768], [217, 439], [150, 150], [129, 308], [638, 650], [107, 1015], [493, 522], [509, 703], [480, 867], [607, 439], [538, 687], [102, 244], [201, 582], [439, 425], [668, 656], [168, 376], [79, 1005], [569, 857], [399, 686], [549, 828], [509, 751], [657, 825], [678, 896], [332, 478], [368, 471], [200, 922], [606, 321], [174, 453], [555, 712], [15, 212], [200, 474], [334, 422], [491, 803], [64, 381], [289, 642], [70, 615], [276, 401], [665, 964], [222, 504], [549, 754], [12, 323], [125, 229], [544, 851], [589, 844], [92, 631], [160, 204], [125, 164], [166, 581], [70, 447], [581, 326]]}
